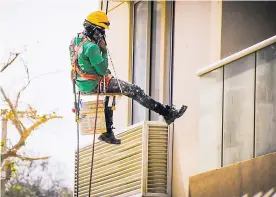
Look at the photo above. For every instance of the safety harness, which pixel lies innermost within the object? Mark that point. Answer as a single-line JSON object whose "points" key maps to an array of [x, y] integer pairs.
{"points": [[76, 69]]}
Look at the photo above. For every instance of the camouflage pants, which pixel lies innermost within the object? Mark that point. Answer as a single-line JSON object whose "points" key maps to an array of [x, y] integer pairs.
{"points": [[134, 92]]}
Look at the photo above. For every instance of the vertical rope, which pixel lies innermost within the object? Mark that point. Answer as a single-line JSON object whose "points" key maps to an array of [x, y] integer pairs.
{"points": [[93, 146], [78, 131], [95, 125], [106, 7]]}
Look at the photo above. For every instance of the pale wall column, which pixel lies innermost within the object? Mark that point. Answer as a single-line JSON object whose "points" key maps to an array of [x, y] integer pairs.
{"points": [[118, 44], [197, 44]]}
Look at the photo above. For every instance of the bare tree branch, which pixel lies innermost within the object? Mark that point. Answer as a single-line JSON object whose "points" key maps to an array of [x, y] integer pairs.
{"points": [[12, 154], [3, 164], [30, 80], [28, 131], [31, 158], [22, 89], [45, 74], [10, 61], [44, 119], [24, 132], [15, 116], [18, 124], [8, 154]]}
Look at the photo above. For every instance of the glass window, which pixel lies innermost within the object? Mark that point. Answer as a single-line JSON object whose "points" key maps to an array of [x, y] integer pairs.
{"points": [[265, 110], [139, 55], [169, 51], [142, 75], [158, 82], [155, 67], [238, 110], [211, 89]]}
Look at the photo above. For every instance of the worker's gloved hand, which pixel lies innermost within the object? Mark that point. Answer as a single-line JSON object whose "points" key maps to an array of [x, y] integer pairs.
{"points": [[102, 46]]}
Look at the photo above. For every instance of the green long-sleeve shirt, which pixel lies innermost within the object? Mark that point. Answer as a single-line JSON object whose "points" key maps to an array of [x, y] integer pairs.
{"points": [[91, 61]]}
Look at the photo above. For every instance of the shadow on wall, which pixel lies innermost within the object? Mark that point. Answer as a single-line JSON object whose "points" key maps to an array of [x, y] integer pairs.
{"points": [[251, 178], [245, 23]]}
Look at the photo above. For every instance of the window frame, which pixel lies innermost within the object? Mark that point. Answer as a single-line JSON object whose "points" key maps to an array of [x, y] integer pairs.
{"points": [[167, 37], [146, 89], [151, 53]]}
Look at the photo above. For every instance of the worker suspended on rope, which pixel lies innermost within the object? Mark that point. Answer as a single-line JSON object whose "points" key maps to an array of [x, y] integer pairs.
{"points": [[90, 66]]}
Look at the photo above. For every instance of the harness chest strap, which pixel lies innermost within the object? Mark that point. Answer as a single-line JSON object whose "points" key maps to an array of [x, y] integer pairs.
{"points": [[76, 67]]}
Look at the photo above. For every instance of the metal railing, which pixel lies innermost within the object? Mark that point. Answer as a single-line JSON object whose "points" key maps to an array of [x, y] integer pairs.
{"points": [[238, 106], [236, 56]]}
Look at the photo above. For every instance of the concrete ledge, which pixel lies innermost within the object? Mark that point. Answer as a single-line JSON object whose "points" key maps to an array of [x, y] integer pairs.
{"points": [[254, 177]]}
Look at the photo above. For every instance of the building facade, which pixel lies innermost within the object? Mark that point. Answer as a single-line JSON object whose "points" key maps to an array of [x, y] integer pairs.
{"points": [[161, 45]]}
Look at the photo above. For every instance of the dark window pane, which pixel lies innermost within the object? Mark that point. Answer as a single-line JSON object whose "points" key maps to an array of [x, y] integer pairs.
{"points": [[245, 23]]}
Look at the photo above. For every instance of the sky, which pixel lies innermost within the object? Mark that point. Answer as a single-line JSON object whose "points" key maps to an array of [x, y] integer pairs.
{"points": [[45, 29]]}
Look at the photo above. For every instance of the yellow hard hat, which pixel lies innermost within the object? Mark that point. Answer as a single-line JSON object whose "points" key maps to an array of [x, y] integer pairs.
{"points": [[98, 18]]}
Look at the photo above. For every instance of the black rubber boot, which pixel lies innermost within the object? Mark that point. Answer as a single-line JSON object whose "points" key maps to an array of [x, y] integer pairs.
{"points": [[172, 113], [109, 136], [169, 113]]}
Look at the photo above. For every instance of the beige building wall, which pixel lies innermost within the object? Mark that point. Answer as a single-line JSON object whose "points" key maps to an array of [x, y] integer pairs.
{"points": [[118, 45], [197, 43]]}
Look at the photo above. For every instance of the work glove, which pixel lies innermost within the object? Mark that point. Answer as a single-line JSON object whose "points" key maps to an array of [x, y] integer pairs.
{"points": [[102, 46]]}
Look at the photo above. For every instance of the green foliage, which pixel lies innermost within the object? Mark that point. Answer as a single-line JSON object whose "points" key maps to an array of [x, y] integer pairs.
{"points": [[2, 143], [36, 180]]}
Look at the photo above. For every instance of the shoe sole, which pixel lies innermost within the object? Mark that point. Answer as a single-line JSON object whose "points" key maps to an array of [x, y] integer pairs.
{"points": [[104, 139], [180, 113]]}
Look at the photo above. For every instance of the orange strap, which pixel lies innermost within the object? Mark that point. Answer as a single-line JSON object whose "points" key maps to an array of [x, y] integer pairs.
{"points": [[107, 80]]}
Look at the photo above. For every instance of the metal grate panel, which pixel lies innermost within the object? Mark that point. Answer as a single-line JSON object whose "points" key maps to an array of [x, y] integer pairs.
{"points": [[157, 159], [140, 166], [117, 169]]}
